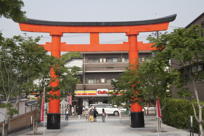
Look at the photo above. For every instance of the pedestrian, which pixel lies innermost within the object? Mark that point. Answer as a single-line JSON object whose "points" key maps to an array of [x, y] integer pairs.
{"points": [[66, 114], [95, 114], [86, 113], [103, 115], [72, 110], [91, 114]]}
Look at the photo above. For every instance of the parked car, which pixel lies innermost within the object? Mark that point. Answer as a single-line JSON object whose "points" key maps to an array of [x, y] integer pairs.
{"points": [[150, 110], [109, 109]]}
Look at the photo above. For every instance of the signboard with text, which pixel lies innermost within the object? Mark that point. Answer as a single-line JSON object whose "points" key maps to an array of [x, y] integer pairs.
{"points": [[102, 92]]}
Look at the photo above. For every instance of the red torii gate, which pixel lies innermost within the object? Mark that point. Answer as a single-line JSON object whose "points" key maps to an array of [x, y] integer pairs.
{"points": [[56, 30]]}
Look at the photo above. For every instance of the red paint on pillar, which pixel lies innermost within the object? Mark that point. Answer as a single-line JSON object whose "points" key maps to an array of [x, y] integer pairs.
{"points": [[56, 46], [54, 103], [134, 62], [94, 38], [133, 51], [135, 107]]}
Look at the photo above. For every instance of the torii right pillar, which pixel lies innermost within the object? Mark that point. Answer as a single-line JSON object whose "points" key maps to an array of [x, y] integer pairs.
{"points": [[137, 115]]}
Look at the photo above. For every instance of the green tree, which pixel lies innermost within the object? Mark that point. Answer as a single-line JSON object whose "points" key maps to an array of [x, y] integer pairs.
{"points": [[124, 88], [12, 9], [184, 47], [156, 79], [152, 80], [68, 76], [22, 62]]}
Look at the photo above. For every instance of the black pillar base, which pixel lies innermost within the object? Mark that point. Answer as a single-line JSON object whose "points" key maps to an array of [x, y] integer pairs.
{"points": [[53, 121], [137, 119]]}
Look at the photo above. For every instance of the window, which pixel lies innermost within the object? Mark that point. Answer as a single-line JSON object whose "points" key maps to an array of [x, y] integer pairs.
{"points": [[109, 59], [91, 81], [141, 59], [109, 106], [100, 106], [125, 59], [115, 60], [94, 60], [102, 60], [197, 68], [108, 81], [102, 80]]}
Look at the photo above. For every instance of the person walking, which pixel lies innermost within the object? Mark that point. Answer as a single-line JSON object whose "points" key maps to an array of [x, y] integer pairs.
{"points": [[86, 113], [103, 115], [91, 114], [66, 114], [95, 114]]}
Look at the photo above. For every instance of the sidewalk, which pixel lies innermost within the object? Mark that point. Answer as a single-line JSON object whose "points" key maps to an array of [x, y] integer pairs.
{"points": [[114, 126]]}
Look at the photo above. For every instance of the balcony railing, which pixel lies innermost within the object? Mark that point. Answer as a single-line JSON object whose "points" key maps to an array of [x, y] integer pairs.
{"points": [[112, 67], [93, 86]]}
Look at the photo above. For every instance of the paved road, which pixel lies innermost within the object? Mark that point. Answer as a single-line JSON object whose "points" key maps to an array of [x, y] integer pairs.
{"points": [[114, 126]]}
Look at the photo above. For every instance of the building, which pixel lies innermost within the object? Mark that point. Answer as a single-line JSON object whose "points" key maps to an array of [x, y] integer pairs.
{"points": [[98, 70], [185, 70], [197, 21]]}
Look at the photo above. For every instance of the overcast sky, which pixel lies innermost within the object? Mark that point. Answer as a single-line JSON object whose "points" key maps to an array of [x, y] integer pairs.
{"points": [[104, 10]]}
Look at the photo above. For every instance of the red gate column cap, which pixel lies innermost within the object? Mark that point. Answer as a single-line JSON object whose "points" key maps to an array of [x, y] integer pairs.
{"points": [[56, 33], [132, 32], [121, 23]]}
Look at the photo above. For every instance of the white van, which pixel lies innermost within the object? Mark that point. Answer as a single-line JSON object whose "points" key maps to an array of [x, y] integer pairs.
{"points": [[109, 109]]}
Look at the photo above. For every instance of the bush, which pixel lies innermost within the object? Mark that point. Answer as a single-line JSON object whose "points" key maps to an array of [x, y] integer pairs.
{"points": [[177, 112]]}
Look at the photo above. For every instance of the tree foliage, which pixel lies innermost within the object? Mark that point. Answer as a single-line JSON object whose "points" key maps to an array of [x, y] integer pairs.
{"points": [[22, 62], [151, 81], [156, 79], [179, 52], [25, 67], [183, 46], [68, 76], [12, 9], [124, 88], [185, 49]]}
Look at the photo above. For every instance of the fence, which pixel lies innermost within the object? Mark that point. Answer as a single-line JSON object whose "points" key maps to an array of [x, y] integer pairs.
{"points": [[22, 121]]}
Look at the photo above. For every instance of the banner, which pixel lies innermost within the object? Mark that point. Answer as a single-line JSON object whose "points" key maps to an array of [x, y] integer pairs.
{"points": [[42, 110], [69, 100], [42, 107], [158, 108]]}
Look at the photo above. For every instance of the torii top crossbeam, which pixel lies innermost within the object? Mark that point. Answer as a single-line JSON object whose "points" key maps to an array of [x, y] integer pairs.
{"points": [[159, 24]]}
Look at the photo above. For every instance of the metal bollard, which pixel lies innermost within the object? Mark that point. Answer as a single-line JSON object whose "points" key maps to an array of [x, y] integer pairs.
{"points": [[191, 126]]}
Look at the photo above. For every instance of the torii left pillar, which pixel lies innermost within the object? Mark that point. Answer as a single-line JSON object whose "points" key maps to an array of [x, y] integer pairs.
{"points": [[53, 116]]}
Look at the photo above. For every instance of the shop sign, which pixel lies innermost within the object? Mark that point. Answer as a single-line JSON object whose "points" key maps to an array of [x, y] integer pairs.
{"points": [[102, 91]]}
